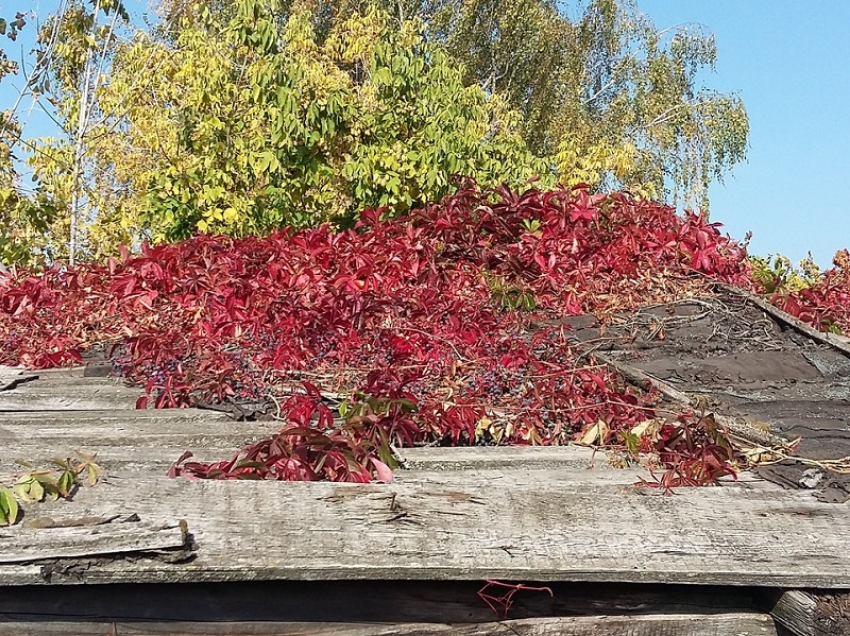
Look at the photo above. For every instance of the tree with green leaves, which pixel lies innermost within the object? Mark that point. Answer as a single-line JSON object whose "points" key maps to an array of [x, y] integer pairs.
{"points": [[244, 116], [12, 247], [614, 101], [26, 216], [48, 222], [633, 89], [246, 120]]}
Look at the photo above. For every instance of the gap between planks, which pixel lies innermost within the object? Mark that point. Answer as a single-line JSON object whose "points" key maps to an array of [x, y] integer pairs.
{"points": [[364, 601]]}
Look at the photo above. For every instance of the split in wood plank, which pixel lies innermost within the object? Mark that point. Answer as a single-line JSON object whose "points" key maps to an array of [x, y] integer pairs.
{"points": [[32, 541]]}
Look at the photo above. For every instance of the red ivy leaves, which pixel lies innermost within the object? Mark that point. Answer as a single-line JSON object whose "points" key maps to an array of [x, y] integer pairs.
{"points": [[430, 316], [313, 446], [695, 450], [826, 304]]}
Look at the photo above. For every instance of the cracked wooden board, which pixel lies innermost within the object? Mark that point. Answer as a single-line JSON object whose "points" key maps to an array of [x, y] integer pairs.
{"points": [[151, 441], [813, 613], [23, 544], [535, 524], [12, 377]]}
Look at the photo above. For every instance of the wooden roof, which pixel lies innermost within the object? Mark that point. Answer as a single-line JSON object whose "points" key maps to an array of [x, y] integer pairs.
{"points": [[560, 515]]}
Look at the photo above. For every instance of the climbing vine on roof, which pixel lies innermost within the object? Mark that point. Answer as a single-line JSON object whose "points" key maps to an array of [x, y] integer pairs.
{"points": [[443, 326]]}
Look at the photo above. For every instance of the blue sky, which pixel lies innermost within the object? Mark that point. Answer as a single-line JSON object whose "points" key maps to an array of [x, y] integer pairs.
{"points": [[790, 62]]}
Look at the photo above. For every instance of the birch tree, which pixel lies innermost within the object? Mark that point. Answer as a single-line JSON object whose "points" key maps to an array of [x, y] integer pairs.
{"points": [[66, 165], [610, 98]]}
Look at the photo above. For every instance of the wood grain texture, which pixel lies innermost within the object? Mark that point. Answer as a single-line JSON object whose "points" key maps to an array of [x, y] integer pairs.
{"points": [[23, 544], [500, 462], [502, 457], [152, 440], [97, 421], [795, 610], [133, 440], [739, 624], [79, 385], [72, 393], [813, 614], [537, 524], [50, 397], [93, 369]]}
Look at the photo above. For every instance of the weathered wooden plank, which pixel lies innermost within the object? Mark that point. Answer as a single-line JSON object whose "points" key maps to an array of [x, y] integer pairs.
{"points": [[739, 624], [77, 385], [104, 420], [57, 398], [196, 434], [737, 426], [99, 386], [795, 610], [141, 431], [497, 465], [8, 381], [604, 477], [548, 525], [72, 383], [504, 457], [813, 614], [153, 440], [124, 438], [95, 369], [149, 458], [599, 463], [157, 438], [154, 444], [127, 462], [132, 440], [24, 544]]}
